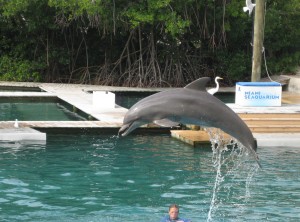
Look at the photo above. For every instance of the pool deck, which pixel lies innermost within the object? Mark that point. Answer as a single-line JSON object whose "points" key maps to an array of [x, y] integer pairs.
{"points": [[80, 97], [22, 133]]}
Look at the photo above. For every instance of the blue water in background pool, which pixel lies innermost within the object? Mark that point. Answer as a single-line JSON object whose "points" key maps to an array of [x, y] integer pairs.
{"points": [[40, 109], [128, 99], [136, 178], [36, 111]]}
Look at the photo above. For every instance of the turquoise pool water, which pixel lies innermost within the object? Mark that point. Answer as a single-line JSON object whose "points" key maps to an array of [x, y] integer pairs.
{"points": [[128, 99], [105, 178], [36, 111]]}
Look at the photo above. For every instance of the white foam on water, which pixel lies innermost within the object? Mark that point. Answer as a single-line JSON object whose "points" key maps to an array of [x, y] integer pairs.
{"points": [[233, 169]]}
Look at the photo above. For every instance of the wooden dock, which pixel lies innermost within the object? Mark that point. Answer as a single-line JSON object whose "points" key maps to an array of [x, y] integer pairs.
{"points": [[259, 123], [272, 122], [268, 124], [194, 137]]}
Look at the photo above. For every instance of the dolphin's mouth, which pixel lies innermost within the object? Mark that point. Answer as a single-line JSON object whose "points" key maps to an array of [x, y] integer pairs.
{"points": [[123, 131]]}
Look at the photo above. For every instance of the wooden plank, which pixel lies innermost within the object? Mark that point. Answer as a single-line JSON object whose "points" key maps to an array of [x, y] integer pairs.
{"points": [[269, 115], [290, 98], [284, 109], [272, 122], [271, 119], [283, 122], [194, 137], [274, 129], [191, 136]]}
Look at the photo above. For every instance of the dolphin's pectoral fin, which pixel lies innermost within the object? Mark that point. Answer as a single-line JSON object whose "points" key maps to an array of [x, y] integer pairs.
{"points": [[199, 84], [166, 123]]}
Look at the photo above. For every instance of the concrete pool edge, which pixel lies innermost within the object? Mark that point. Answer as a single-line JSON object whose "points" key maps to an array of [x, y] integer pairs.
{"points": [[21, 134], [277, 139]]}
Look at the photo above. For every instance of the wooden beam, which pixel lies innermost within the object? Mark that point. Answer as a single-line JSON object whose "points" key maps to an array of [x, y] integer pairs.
{"points": [[258, 40]]}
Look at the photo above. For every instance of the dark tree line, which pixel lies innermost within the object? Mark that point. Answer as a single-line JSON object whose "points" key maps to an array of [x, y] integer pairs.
{"points": [[141, 42]]}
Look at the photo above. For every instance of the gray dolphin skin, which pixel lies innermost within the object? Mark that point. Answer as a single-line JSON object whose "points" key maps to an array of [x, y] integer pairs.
{"points": [[189, 105]]}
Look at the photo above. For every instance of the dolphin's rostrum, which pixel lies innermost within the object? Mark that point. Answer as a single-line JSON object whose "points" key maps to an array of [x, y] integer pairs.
{"points": [[189, 105]]}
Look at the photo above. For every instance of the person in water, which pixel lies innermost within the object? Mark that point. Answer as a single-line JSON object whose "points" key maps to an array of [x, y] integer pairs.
{"points": [[173, 215]]}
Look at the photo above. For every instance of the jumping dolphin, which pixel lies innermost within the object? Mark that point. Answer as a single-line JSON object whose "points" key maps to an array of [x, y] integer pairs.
{"points": [[189, 105]]}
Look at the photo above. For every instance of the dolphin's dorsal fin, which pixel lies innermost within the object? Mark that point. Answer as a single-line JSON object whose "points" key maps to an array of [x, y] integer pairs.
{"points": [[199, 84], [166, 123]]}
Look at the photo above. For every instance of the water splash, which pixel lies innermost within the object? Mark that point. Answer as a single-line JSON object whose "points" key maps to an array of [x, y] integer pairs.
{"points": [[233, 172]]}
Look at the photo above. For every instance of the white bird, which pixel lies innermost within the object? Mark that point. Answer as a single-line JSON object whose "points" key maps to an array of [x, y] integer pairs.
{"points": [[214, 90], [16, 125], [249, 6]]}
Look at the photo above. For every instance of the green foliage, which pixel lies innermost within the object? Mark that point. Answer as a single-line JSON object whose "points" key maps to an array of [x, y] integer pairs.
{"points": [[18, 70], [237, 66], [11, 8], [158, 12], [75, 8], [287, 63], [77, 39], [282, 36]]}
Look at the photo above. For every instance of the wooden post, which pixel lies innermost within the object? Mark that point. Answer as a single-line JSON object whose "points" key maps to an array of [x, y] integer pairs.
{"points": [[258, 40]]}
